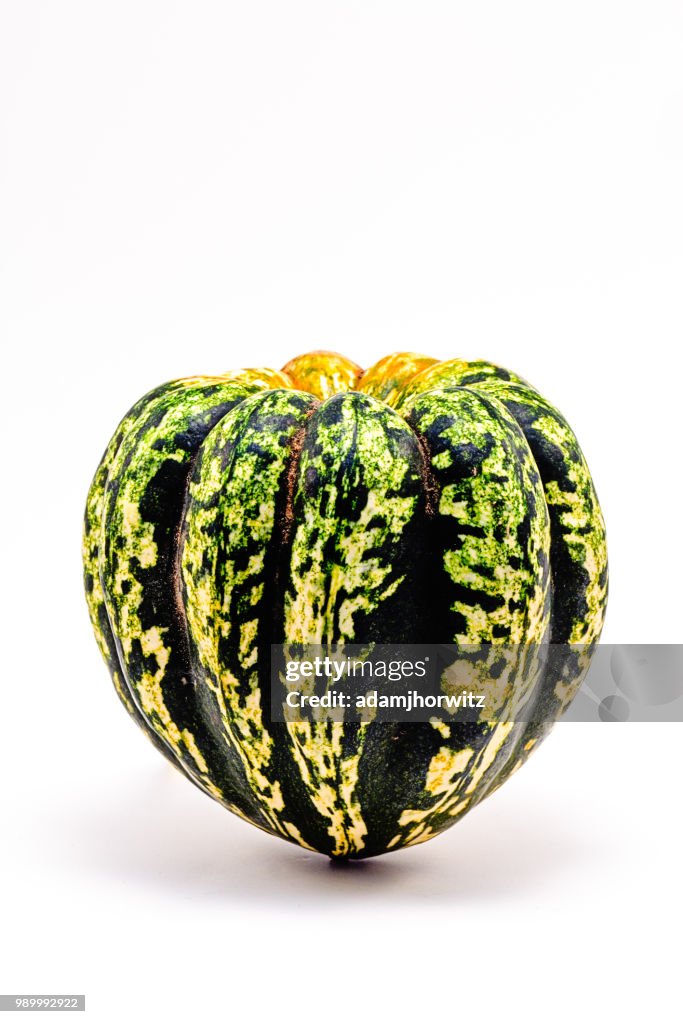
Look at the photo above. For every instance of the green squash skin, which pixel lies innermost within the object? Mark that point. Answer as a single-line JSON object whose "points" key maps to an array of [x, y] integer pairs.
{"points": [[225, 517], [578, 550], [131, 534], [92, 548]]}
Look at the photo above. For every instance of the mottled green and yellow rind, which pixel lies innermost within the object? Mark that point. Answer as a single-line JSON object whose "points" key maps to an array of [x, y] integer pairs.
{"points": [[357, 506], [230, 560], [439, 502]]}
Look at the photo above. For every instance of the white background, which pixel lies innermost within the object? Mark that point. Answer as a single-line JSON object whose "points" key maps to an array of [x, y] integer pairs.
{"points": [[190, 187]]}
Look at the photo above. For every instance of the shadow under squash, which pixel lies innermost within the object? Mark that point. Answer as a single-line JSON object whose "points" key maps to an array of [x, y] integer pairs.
{"points": [[162, 832]]}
